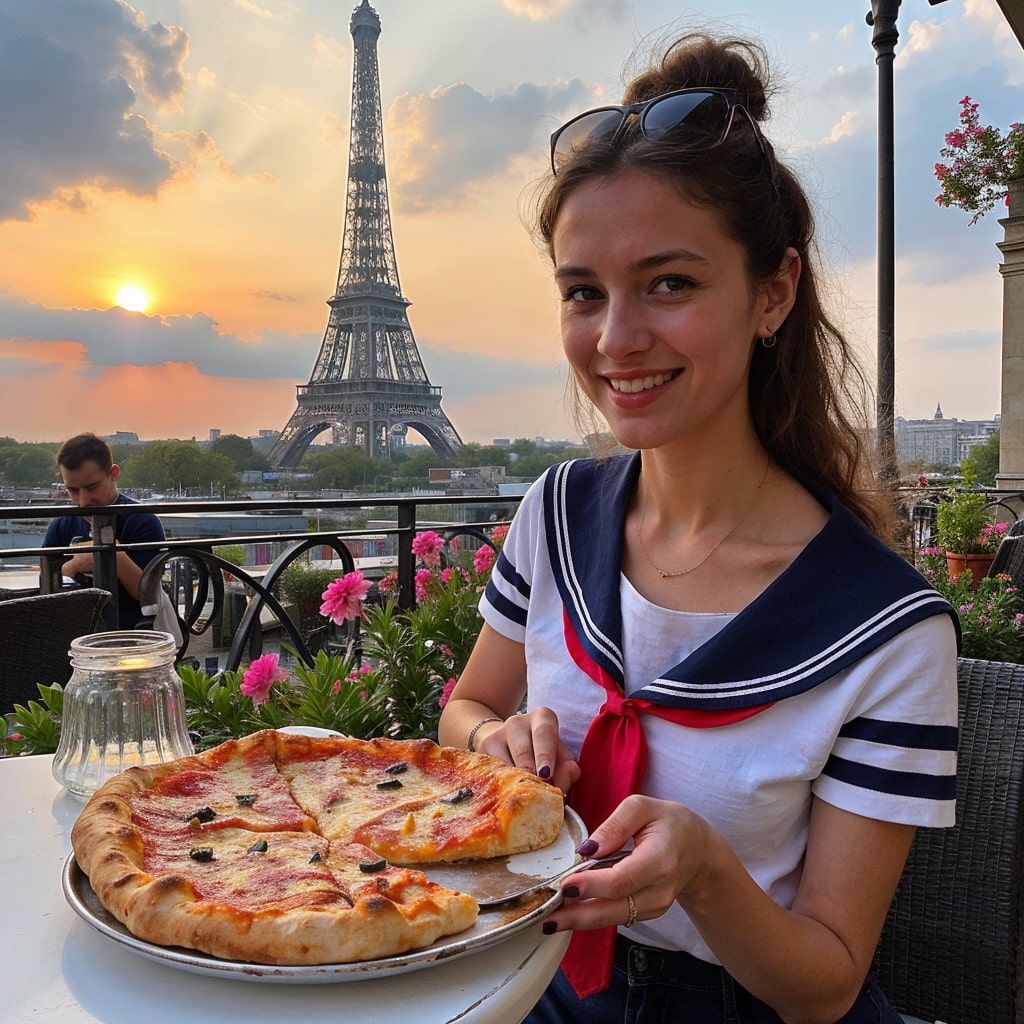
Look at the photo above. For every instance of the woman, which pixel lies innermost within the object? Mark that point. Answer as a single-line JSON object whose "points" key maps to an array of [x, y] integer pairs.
{"points": [[724, 666]]}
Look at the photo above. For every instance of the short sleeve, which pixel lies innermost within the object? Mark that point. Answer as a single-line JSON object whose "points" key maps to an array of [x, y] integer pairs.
{"points": [[506, 599], [895, 754]]}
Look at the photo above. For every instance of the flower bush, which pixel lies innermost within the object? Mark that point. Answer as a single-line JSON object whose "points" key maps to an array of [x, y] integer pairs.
{"points": [[991, 616], [393, 682], [982, 160]]}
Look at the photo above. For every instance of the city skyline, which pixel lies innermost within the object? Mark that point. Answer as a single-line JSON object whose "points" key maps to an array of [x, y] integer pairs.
{"points": [[197, 153]]}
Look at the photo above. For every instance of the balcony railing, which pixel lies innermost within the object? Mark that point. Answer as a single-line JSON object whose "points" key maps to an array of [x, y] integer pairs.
{"points": [[223, 605]]}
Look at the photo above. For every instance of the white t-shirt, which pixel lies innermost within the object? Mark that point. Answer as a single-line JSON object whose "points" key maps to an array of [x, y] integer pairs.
{"points": [[752, 780]]}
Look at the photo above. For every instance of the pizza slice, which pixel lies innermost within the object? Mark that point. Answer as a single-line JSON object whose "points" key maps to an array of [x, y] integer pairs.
{"points": [[415, 802]]}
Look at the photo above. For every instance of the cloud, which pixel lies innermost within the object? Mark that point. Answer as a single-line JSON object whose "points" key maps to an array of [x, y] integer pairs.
{"points": [[586, 11], [329, 53], [959, 341], [115, 337], [851, 123], [71, 72], [466, 375], [443, 141]]}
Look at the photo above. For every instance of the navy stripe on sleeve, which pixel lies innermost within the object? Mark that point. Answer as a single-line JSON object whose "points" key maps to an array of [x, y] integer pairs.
{"points": [[507, 571], [884, 780], [502, 605], [901, 734]]}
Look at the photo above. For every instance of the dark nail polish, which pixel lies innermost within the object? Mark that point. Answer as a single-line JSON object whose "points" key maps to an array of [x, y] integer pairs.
{"points": [[545, 772], [549, 927], [587, 848], [571, 891]]}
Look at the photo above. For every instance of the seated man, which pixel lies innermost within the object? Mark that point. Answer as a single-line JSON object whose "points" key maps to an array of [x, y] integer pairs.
{"points": [[90, 475]]}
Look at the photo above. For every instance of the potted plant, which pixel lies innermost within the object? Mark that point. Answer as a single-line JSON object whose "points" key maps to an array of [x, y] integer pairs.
{"points": [[967, 532], [982, 163]]}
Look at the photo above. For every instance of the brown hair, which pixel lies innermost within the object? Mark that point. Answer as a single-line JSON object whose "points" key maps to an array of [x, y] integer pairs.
{"points": [[804, 391], [84, 448]]}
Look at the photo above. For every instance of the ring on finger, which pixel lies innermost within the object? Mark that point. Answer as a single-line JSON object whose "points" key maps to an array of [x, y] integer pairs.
{"points": [[631, 916]]}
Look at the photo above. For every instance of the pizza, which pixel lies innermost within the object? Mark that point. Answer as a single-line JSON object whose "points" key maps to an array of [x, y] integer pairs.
{"points": [[294, 850]]}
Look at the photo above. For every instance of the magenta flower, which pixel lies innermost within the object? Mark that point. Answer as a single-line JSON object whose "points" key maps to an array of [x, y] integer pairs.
{"points": [[483, 559], [498, 533], [446, 693], [388, 583], [427, 547], [343, 598], [422, 580], [260, 676]]}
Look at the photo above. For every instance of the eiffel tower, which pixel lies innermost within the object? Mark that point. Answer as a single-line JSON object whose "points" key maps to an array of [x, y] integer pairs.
{"points": [[368, 384]]}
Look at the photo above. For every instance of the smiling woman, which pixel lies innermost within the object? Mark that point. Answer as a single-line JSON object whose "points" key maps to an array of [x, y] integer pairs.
{"points": [[132, 297]]}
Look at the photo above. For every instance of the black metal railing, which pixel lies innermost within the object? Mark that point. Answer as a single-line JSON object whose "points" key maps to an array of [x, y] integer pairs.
{"points": [[193, 573]]}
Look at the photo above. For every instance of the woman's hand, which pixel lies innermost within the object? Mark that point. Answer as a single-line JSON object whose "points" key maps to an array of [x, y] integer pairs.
{"points": [[532, 741], [670, 853]]}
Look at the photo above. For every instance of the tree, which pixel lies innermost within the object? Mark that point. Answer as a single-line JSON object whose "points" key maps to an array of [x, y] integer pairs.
{"points": [[982, 461], [32, 466], [241, 452], [180, 466], [346, 468]]}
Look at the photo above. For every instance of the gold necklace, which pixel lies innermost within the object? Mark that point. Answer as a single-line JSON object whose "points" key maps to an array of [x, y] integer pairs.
{"points": [[664, 574]]}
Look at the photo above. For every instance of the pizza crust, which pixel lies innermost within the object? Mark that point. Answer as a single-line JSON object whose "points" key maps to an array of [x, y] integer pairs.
{"points": [[189, 853]]}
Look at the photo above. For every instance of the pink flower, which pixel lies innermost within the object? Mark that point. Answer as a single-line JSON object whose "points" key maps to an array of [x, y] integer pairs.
{"points": [[343, 598], [260, 676], [498, 533], [446, 693], [388, 583], [427, 547], [422, 581], [483, 559]]}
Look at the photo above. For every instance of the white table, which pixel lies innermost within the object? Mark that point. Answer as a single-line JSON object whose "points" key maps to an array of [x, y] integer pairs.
{"points": [[55, 967]]}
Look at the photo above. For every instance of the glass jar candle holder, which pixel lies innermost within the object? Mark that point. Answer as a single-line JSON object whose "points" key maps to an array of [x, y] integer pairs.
{"points": [[123, 706]]}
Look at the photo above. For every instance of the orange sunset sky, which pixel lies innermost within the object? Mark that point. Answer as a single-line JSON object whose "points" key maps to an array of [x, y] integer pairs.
{"points": [[196, 150]]}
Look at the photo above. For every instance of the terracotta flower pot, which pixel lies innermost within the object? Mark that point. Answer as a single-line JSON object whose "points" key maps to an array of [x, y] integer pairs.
{"points": [[979, 565]]}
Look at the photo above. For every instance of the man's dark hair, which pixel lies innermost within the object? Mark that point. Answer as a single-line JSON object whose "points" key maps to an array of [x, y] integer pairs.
{"points": [[83, 448]]}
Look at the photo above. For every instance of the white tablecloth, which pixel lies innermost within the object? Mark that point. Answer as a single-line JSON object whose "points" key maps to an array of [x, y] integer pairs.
{"points": [[55, 967]]}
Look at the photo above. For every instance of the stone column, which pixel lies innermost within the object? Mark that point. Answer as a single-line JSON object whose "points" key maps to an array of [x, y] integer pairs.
{"points": [[1011, 420]]}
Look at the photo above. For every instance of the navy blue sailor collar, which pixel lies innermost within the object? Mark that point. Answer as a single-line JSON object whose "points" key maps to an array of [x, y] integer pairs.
{"points": [[846, 594]]}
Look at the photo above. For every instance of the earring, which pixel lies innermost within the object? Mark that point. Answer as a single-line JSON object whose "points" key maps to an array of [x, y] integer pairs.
{"points": [[768, 342]]}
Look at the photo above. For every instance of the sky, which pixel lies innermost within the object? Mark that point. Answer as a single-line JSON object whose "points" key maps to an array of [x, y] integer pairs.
{"points": [[195, 152]]}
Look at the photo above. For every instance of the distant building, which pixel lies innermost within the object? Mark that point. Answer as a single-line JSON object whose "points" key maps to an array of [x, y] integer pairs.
{"points": [[468, 478], [940, 441], [123, 438]]}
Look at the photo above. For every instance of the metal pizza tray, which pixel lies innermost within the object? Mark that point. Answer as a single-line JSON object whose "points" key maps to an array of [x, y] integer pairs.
{"points": [[491, 927]]}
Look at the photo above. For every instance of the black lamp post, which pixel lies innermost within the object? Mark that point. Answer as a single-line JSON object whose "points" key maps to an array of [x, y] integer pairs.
{"points": [[882, 18]]}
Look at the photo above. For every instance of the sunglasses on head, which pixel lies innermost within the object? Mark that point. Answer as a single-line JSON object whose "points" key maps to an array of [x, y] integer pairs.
{"points": [[706, 115]]}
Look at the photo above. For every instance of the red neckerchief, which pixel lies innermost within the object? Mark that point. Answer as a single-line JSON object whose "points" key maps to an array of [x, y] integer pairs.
{"points": [[613, 762]]}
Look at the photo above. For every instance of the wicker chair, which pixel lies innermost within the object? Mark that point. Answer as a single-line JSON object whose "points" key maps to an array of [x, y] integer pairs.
{"points": [[1010, 555], [35, 634], [951, 950]]}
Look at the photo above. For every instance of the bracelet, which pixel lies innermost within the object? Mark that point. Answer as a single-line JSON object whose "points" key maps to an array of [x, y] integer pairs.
{"points": [[476, 728]]}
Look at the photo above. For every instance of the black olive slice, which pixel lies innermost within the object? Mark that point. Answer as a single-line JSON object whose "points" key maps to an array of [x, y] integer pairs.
{"points": [[202, 814], [245, 799], [465, 793], [316, 858], [399, 768], [371, 867], [390, 784], [260, 846], [201, 853]]}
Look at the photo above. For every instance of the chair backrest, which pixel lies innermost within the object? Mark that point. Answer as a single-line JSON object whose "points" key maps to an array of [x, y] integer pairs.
{"points": [[1009, 556], [951, 948], [35, 635]]}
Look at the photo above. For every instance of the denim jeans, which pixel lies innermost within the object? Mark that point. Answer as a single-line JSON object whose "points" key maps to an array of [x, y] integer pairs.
{"points": [[657, 986]]}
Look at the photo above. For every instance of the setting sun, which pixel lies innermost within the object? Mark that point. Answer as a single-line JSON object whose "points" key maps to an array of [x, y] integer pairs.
{"points": [[132, 297]]}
